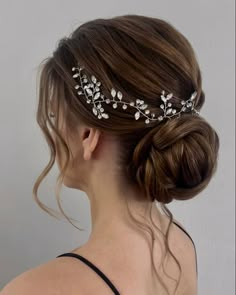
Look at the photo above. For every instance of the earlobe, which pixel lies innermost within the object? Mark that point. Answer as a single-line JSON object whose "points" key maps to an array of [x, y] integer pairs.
{"points": [[87, 155]]}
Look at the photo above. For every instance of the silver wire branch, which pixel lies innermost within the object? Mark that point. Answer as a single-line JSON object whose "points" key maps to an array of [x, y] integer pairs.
{"points": [[91, 90]]}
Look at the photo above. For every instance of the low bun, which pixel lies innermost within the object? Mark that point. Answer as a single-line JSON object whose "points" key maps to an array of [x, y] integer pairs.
{"points": [[177, 159]]}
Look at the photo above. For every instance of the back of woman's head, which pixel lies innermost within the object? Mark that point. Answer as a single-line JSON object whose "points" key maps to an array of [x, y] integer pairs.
{"points": [[139, 56]]}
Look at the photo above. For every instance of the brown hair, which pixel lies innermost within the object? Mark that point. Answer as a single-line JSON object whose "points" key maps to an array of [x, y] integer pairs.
{"points": [[140, 56]]}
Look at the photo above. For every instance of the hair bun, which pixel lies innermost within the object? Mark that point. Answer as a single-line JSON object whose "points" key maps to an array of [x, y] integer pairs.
{"points": [[177, 159]]}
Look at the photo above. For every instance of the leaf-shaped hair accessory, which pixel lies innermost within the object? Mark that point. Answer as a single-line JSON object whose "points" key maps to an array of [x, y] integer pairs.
{"points": [[91, 91]]}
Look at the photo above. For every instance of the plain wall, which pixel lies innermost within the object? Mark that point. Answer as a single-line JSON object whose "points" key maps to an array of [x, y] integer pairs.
{"points": [[29, 32]]}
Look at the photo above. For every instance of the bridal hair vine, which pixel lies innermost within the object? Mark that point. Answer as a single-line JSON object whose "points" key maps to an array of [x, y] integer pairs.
{"points": [[91, 90]]}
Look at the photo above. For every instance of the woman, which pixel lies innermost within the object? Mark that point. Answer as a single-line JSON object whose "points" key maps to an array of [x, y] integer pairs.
{"points": [[119, 105]]}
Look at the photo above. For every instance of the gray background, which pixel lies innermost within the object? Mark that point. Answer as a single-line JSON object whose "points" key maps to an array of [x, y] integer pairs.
{"points": [[29, 31]]}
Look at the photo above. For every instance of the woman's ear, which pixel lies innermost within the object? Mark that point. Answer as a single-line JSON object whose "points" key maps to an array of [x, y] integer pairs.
{"points": [[90, 138]]}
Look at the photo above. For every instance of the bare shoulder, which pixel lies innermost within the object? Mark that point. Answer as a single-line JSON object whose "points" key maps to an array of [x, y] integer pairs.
{"points": [[186, 246], [185, 250], [51, 277], [180, 240]]}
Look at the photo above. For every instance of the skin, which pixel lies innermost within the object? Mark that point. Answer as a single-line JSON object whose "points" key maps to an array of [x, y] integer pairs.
{"points": [[114, 243], [95, 171]]}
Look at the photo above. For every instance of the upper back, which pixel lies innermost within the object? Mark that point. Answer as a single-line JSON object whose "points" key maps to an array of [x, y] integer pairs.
{"points": [[128, 267]]}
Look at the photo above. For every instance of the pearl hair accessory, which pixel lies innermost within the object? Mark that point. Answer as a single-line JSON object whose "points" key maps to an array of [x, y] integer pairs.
{"points": [[93, 95]]}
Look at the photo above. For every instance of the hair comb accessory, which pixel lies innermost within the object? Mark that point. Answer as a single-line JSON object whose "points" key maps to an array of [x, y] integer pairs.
{"points": [[90, 88]]}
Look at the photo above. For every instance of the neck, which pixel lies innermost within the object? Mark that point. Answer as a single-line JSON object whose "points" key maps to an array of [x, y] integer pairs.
{"points": [[110, 217]]}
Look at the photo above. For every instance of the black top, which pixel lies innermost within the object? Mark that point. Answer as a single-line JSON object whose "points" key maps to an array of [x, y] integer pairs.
{"points": [[102, 275]]}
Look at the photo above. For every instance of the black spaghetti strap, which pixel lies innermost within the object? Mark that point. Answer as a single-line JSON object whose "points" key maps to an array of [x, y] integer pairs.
{"points": [[191, 240], [102, 275], [91, 265]]}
